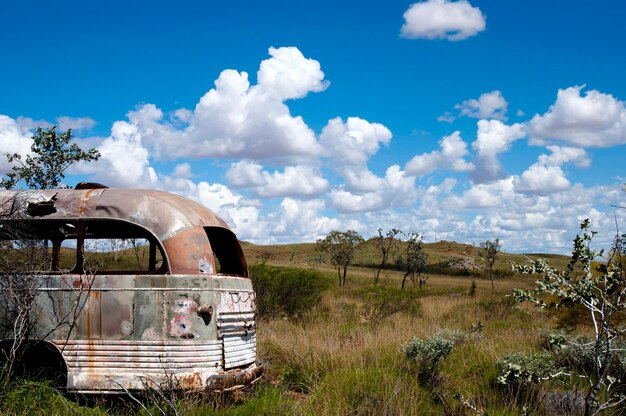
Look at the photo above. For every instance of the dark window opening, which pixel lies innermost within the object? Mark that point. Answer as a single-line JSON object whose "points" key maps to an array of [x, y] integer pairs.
{"points": [[79, 246], [229, 258]]}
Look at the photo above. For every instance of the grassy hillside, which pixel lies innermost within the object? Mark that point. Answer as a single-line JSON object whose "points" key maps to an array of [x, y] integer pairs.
{"points": [[443, 256]]}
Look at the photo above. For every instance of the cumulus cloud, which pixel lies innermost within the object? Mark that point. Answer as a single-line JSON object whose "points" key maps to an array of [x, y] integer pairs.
{"points": [[359, 178], [302, 219], [546, 176], [290, 75], [594, 119], [541, 179], [398, 190], [75, 123], [14, 138], [124, 160], [488, 105], [561, 155], [182, 170], [493, 137], [349, 145], [354, 141], [239, 120], [450, 157], [442, 19], [303, 181]]}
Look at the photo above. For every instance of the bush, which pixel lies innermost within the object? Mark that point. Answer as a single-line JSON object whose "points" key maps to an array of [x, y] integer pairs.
{"points": [[286, 291], [518, 368], [429, 353], [381, 302]]}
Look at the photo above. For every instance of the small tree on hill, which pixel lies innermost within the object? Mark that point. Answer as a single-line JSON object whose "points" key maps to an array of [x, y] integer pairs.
{"points": [[385, 244], [52, 154], [413, 259], [341, 245], [489, 250]]}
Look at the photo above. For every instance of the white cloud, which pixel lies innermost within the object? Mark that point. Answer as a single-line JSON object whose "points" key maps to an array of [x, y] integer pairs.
{"points": [[124, 160], [288, 74], [481, 196], [592, 120], [543, 180], [442, 19], [398, 191], [493, 138], [31, 124], [360, 179], [239, 120], [561, 155], [14, 138], [450, 157], [75, 123], [302, 220], [182, 170], [546, 176], [354, 141], [488, 105], [304, 181]]}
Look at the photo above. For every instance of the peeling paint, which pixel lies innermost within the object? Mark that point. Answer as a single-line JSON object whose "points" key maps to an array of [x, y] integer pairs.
{"points": [[187, 306], [180, 326], [150, 335]]}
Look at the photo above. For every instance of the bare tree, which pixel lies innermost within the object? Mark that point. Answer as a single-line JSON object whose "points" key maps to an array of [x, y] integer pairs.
{"points": [[489, 250], [341, 245], [413, 259], [24, 254], [24, 301], [385, 244]]}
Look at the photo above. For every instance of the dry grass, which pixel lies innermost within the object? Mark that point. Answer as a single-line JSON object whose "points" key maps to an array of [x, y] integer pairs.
{"points": [[333, 346]]}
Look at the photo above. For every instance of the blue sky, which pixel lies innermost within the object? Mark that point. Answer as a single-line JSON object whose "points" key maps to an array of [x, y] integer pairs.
{"points": [[462, 120]]}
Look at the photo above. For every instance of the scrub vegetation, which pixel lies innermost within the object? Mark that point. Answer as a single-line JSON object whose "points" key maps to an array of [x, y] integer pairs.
{"points": [[456, 346]]}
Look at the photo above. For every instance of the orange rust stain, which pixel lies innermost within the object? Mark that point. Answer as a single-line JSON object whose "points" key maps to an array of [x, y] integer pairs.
{"points": [[191, 381], [83, 202]]}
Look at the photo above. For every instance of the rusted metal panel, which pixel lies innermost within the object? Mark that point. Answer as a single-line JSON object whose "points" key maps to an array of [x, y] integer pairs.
{"points": [[239, 350]]}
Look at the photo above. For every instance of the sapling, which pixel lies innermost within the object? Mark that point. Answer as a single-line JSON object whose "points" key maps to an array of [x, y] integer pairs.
{"points": [[601, 291]]}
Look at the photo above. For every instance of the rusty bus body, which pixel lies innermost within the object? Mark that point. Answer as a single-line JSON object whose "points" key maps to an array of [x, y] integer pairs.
{"points": [[186, 317]]}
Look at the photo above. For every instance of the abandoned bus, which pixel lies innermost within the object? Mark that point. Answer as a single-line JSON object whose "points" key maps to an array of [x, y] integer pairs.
{"points": [[121, 289]]}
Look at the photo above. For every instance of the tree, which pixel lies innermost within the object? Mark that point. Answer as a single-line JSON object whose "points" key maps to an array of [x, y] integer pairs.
{"points": [[341, 245], [413, 259], [489, 250], [22, 255], [385, 244], [52, 154], [601, 291]]}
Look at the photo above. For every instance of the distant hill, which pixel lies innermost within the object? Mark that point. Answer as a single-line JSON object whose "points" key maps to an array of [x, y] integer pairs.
{"points": [[442, 256]]}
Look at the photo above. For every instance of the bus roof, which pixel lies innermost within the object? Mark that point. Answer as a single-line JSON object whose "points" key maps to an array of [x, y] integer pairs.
{"points": [[163, 214]]}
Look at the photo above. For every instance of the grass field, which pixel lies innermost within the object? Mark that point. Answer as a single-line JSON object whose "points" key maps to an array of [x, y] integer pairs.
{"points": [[343, 358]]}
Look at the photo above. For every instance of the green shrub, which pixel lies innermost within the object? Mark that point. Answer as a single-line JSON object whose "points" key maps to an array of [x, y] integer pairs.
{"points": [[380, 302], [286, 291], [429, 353], [525, 368]]}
